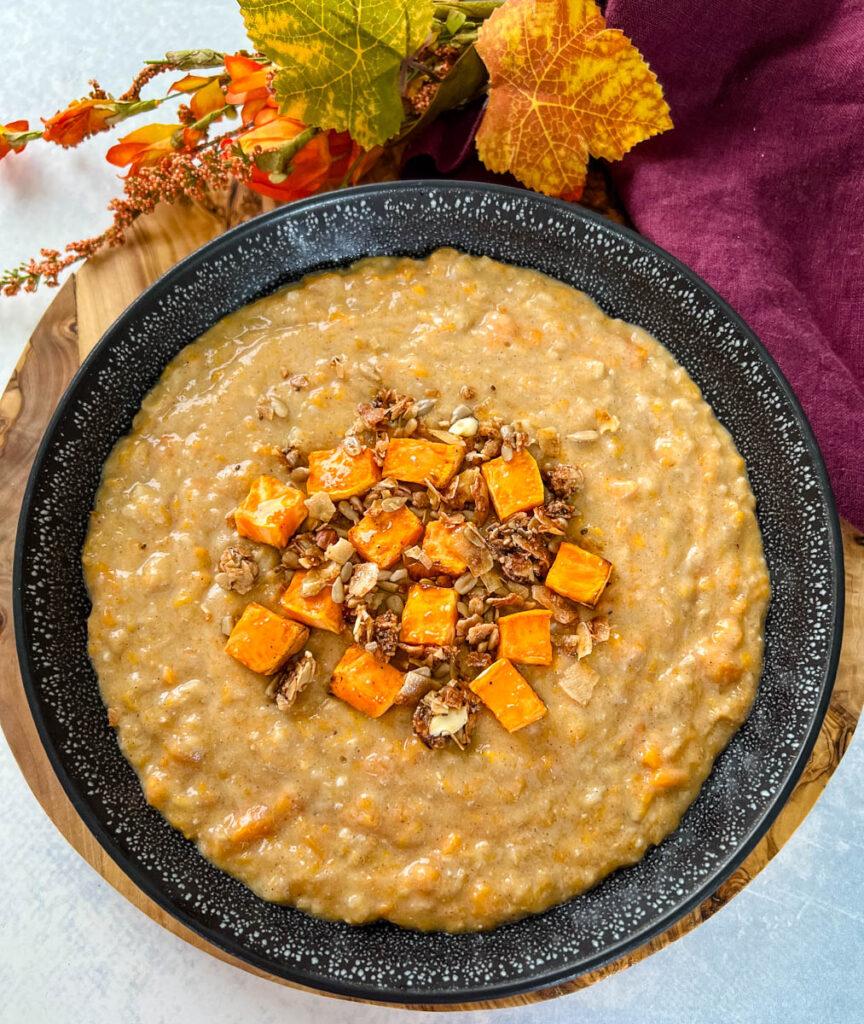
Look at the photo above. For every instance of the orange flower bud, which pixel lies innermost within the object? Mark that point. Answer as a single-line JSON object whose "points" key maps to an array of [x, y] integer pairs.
{"points": [[79, 120], [13, 126]]}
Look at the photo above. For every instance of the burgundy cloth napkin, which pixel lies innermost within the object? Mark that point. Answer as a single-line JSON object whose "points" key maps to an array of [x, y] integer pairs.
{"points": [[760, 187]]}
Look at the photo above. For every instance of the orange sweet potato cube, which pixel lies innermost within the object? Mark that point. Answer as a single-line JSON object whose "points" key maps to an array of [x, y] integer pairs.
{"points": [[514, 486], [381, 537], [271, 512], [414, 461], [320, 610], [578, 574], [263, 640], [508, 696], [366, 683], [429, 616], [438, 545], [341, 474], [526, 637]]}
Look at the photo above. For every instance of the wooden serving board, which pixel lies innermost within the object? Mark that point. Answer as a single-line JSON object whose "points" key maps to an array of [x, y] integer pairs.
{"points": [[80, 313]]}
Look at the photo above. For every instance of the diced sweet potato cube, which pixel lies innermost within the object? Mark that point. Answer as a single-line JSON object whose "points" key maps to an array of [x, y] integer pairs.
{"points": [[320, 610], [514, 486], [414, 461], [429, 616], [526, 637], [263, 640], [341, 474], [381, 537], [271, 512], [578, 574], [508, 696], [366, 683], [438, 545]]}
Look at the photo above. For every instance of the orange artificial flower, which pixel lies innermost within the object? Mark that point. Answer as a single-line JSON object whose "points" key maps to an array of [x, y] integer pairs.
{"points": [[207, 93], [249, 85], [13, 126], [79, 120], [144, 147], [321, 164]]}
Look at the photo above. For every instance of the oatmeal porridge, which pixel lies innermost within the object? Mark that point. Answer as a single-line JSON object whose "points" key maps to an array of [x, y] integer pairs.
{"points": [[425, 591]]}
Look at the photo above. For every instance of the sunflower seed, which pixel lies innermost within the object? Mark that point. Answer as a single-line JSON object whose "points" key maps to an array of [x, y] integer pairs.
{"points": [[467, 426], [348, 511], [337, 591], [425, 405], [584, 435], [464, 583], [278, 406]]}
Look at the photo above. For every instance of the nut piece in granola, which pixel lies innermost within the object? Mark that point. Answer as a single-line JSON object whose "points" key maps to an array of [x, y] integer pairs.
{"points": [[446, 714], [385, 633], [520, 547], [293, 679], [564, 480], [238, 570]]}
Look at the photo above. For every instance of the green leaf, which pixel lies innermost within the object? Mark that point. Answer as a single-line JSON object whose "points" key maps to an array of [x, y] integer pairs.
{"points": [[339, 59]]}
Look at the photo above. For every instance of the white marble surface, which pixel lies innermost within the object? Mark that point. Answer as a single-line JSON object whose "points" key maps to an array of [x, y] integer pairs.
{"points": [[788, 948]]}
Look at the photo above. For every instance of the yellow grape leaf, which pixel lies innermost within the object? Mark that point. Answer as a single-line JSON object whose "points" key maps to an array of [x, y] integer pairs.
{"points": [[339, 60], [562, 86]]}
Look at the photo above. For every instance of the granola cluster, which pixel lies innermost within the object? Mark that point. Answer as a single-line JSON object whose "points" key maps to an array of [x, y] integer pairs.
{"points": [[363, 553]]}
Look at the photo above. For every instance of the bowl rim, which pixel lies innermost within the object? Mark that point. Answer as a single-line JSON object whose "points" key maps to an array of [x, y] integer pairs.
{"points": [[494, 991]]}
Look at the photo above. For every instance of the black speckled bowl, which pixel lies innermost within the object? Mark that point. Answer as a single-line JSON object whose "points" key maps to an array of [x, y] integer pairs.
{"points": [[630, 278]]}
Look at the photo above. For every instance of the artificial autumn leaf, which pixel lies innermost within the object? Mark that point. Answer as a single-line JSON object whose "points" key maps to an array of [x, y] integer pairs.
{"points": [[339, 60], [562, 86]]}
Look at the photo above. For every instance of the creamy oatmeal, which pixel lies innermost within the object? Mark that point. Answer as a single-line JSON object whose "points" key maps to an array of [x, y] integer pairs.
{"points": [[320, 791]]}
